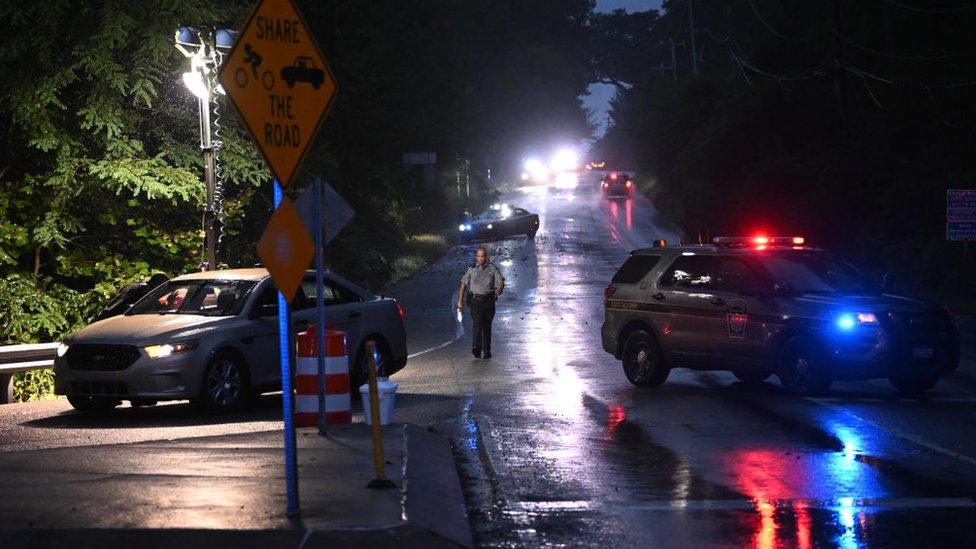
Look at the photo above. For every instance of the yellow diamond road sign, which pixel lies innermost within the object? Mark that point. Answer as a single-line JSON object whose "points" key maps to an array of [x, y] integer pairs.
{"points": [[280, 84], [286, 249]]}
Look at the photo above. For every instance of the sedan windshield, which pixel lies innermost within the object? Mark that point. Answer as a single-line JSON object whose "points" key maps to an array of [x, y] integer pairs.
{"points": [[814, 272], [195, 297]]}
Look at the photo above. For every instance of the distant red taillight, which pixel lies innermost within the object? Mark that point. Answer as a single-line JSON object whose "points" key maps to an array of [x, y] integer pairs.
{"points": [[400, 312], [629, 184], [608, 293]]}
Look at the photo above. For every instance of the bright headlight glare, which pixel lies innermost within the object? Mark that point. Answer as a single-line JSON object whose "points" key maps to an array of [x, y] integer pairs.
{"points": [[62, 349], [461, 227], [193, 80], [848, 321], [167, 349]]}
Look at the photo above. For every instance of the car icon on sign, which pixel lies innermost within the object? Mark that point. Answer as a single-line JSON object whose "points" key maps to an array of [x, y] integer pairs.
{"points": [[303, 70]]}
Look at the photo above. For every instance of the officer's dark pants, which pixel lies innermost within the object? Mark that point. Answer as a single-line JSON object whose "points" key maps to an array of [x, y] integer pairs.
{"points": [[482, 313]]}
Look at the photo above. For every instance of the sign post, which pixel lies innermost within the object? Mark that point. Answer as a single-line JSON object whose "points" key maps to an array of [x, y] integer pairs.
{"points": [[319, 301], [281, 86], [287, 397]]}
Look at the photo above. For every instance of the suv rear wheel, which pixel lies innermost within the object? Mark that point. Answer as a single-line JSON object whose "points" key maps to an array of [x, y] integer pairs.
{"points": [[914, 385], [642, 360], [801, 369]]}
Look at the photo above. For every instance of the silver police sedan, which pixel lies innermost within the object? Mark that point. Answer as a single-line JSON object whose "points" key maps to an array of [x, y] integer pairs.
{"points": [[212, 337]]}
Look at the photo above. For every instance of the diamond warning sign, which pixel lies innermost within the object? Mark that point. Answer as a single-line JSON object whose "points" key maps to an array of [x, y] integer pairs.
{"points": [[280, 84], [286, 249]]}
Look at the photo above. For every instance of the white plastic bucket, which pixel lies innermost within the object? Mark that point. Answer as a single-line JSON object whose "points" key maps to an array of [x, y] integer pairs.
{"points": [[387, 397]]}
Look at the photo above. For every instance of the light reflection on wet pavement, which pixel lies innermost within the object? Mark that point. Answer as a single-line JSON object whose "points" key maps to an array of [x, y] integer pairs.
{"points": [[555, 447]]}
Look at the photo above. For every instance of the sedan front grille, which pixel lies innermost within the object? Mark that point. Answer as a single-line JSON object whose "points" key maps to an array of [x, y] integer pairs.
{"points": [[101, 358]]}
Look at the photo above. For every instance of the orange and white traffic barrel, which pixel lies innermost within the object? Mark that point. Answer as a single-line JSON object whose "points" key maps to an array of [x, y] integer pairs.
{"points": [[338, 405]]}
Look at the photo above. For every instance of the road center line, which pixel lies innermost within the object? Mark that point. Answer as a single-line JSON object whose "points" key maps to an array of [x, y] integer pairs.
{"points": [[747, 504], [458, 332], [858, 400], [899, 433]]}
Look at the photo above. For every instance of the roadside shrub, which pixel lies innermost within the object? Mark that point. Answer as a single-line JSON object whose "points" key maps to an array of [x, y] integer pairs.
{"points": [[33, 385], [38, 310]]}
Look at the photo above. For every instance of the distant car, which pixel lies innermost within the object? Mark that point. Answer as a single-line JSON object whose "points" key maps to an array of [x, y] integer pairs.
{"points": [[499, 221], [760, 306], [212, 337], [617, 184], [303, 70]]}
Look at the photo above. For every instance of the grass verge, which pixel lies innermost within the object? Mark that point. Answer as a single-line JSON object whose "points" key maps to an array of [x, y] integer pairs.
{"points": [[420, 251]]}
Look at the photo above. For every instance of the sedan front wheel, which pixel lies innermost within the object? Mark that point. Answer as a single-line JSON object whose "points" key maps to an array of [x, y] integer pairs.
{"points": [[225, 385]]}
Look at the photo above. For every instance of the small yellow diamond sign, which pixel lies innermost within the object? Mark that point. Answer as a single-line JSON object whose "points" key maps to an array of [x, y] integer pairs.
{"points": [[280, 84], [286, 249]]}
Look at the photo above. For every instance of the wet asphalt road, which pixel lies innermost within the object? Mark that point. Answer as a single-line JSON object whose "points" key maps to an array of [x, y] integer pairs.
{"points": [[555, 447]]}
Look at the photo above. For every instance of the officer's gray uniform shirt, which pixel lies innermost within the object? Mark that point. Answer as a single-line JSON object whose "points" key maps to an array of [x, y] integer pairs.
{"points": [[482, 280]]}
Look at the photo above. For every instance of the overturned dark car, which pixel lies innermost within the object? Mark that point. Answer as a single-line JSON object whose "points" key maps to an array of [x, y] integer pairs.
{"points": [[497, 222]]}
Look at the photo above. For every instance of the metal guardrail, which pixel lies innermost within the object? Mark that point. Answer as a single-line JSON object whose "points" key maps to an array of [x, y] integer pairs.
{"points": [[21, 358]]}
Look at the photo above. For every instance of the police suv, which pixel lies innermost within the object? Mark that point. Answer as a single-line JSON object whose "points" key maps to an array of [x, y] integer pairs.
{"points": [[759, 306]]}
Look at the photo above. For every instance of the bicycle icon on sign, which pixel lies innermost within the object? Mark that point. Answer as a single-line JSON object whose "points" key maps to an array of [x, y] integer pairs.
{"points": [[253, 58]]}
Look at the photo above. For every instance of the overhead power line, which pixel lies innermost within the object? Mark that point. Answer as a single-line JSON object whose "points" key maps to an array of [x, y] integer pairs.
{"points": [[929, 10], [890, 55], [770, 27]]}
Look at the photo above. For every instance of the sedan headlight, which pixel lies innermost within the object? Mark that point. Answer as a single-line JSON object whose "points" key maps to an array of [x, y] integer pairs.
{"points": [[849, 321], [62, 349], [167, 349]]}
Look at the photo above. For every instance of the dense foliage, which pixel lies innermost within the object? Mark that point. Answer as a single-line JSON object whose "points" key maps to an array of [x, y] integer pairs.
{"points": [[99, 179], [101, 175], [846, 121]]}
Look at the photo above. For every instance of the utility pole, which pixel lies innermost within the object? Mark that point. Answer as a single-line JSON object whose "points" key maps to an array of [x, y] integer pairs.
{"points": [[694, 50], [203, 49], [839, 65], [674, 59], [209, 169]]}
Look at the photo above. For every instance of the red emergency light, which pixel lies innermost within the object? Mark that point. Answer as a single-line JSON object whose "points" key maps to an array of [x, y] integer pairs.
{"points": [[760, 242]]}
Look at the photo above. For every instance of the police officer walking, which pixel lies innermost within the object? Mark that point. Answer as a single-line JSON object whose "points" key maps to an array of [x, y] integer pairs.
{"points": [[485, 283]]}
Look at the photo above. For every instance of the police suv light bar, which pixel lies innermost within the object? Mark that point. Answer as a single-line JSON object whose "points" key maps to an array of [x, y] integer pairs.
{"points": [[734, 241]]}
